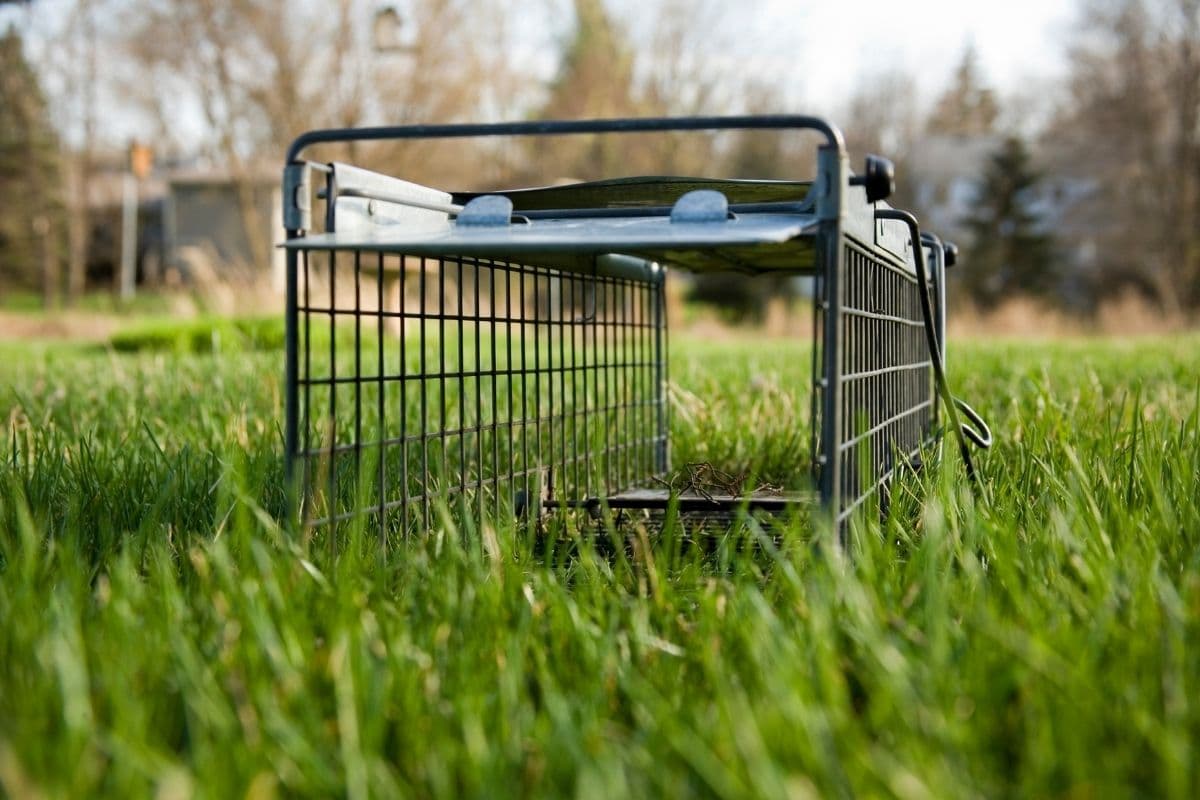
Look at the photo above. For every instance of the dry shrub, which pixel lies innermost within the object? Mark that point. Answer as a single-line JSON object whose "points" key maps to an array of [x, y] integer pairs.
{"points": [[1128, 314], [82, 326]]}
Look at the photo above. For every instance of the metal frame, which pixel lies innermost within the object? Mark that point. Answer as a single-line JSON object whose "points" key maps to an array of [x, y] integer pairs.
{"points": [[873, 372]]}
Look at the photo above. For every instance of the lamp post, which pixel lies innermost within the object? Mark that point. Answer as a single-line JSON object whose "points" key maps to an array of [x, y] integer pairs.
{"points": [[141, 159]]}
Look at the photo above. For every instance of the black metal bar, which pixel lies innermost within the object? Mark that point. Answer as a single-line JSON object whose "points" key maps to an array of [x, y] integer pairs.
{"points": [[938, 251], [381, 401], [457, 376], [434, 317], [590, 392], [537, 364], [609, 378], [291, 370], [357, 360], [333, 390], [579, 372], [829, 241], [526, 489], [561, 333], [641, 378], [508, 363], [495, 393], [908, 411], [626, 381], [833, 137], [905, 366], [478, 393], [662, 377], [424, 407], [405, 487], [307, 371], [960, 431]]}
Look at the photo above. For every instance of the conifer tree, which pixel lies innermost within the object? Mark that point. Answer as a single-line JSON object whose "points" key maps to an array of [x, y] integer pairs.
{"points": [[1011, 251], [595, 80], [968, 107], [31, 219]]}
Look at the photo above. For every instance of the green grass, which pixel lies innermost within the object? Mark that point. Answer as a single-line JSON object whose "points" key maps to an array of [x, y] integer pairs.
{"points": [[160, 632], [200, 335], [102, 302]]}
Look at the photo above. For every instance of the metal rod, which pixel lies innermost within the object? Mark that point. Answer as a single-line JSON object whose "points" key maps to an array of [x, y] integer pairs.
{"points": [[291, 370], [931, 339], [446, 208], [331, 424], [833, 137], [381, 401], [424, 407]]}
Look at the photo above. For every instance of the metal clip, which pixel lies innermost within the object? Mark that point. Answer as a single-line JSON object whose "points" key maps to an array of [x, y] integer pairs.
{"points": [[488, 211], [701, 205]]}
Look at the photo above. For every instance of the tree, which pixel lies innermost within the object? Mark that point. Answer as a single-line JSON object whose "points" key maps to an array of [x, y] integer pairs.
{"points": [[259, 72], [248, 68], [968, 107], [30, 208], [1131, 124], [1011, 252], [762, 155], [80, 57], [595, 79], [882, 119]]}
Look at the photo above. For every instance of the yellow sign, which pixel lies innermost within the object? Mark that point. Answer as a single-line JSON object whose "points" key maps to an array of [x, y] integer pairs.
{"points": [[141, 160]]}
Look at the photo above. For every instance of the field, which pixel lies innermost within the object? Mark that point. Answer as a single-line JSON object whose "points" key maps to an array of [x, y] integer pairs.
{"points": [[162, 633]]}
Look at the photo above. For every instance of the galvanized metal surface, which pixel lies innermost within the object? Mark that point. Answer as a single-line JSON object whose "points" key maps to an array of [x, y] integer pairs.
{"points": [[487, 211], [751, 243], [650, 191], [365, 200]]}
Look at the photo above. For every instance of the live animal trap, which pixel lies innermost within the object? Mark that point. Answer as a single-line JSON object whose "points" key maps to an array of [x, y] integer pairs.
{"points": [[504, 355]]}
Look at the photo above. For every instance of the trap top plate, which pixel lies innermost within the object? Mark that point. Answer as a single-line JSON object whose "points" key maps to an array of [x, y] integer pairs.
{"points": [[758, 242]]}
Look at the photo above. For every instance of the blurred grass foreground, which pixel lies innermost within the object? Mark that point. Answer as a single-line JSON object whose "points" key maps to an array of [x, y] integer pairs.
{"points": [[161, 632]]}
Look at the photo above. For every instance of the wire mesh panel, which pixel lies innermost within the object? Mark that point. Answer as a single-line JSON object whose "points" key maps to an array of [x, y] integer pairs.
{"points": [[493, 354], [478, 386], [883, 374]]}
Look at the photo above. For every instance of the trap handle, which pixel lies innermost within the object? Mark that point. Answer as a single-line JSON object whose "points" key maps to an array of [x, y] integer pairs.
{"points": [[833, 136], [981, 435], [298, 218]]}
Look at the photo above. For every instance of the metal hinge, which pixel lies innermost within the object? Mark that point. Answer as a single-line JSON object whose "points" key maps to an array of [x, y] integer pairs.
{"points": [[297, 197]]}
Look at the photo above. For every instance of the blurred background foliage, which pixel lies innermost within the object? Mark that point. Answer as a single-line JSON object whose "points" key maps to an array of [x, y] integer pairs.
{"points": [[1075, 192]]}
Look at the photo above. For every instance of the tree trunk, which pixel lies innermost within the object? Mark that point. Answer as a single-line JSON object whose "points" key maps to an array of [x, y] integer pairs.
{"points": [[51, 275], [78, 230]]}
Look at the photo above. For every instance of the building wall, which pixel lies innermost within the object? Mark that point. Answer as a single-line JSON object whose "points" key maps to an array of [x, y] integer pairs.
{"points": [[209, 234]]}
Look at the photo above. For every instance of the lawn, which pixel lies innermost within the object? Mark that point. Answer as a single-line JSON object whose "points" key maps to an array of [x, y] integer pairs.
{"points": [[162, 633]]}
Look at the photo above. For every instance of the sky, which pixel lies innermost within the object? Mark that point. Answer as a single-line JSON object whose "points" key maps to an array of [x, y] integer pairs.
{"points": [[1019, 42], [820, 49]]}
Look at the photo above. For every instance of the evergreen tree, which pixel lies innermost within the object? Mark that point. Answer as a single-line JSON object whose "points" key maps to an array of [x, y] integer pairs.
{"points": [[31, 218], [968, 107], [1011, 251], [594, 80]]}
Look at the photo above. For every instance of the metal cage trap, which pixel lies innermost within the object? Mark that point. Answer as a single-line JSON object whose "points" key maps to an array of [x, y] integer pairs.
{"points": [[504, 355]]}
